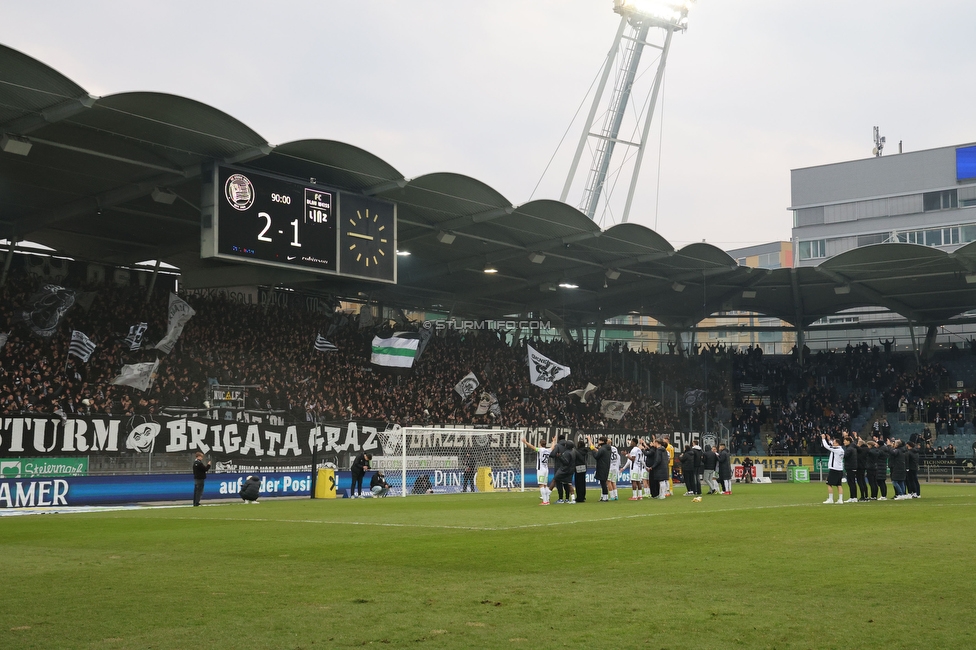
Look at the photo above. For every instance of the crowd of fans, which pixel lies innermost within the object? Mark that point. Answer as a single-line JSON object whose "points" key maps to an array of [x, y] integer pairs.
{"points": [[773, 405]]}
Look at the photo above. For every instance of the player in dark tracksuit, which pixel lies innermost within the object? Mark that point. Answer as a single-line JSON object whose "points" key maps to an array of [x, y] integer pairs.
{"points": [[850, 467], [580, 454], [725, 469], [862, 469], [911, 472], [602, 455], [688, 469]]}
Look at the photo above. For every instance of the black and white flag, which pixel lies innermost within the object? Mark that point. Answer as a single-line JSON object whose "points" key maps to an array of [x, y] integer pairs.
{"points": [[81, 346], [488, 404], [543, 371], [466, 387], [425, 334], [613, 409], [3, 339], [179, 313], [322, 345], [134, 339], [138, 375], [46, 309], [584, 393]]}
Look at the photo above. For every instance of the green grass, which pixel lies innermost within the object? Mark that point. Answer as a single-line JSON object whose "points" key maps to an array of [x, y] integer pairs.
{"points": [[767, 567]]}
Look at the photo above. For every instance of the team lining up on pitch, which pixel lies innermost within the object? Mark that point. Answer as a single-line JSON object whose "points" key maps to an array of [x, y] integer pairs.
{"points": [[650, 464], [864, 462]]}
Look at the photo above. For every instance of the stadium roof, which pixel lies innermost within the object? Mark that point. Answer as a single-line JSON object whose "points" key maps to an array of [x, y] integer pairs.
{"points": [[86, 188]]}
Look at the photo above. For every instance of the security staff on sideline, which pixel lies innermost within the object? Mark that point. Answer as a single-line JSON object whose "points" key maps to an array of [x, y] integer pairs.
{"points": [[200, 470]]}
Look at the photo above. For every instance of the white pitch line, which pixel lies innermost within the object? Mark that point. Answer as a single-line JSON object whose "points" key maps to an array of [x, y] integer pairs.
{"points": [[534, 525]]}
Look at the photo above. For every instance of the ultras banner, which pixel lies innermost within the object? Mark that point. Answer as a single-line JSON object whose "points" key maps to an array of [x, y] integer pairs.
{"points": [[50, 435]]}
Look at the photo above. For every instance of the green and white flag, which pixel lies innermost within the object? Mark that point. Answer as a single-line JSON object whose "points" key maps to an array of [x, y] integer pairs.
{"points": [[395, 352]]}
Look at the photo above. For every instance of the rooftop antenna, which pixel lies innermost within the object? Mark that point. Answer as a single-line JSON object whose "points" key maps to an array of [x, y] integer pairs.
{"points": [[639, 21], [879, 143]]}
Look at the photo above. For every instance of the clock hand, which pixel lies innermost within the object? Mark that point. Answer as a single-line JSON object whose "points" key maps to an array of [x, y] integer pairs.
{"points": [[356, 234]]}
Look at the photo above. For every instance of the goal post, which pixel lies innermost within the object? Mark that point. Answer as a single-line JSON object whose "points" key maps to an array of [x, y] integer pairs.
{"points": [[435, 460]]}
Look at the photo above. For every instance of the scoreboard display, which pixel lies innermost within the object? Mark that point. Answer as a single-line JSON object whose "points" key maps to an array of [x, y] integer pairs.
{"points": [[264, 219]]}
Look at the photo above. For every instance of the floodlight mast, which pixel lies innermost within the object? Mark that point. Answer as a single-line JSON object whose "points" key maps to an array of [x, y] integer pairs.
{"points": [[637, 19]]}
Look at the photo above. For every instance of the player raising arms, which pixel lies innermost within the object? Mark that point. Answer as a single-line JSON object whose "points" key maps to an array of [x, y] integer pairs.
{"points": [[542, 469]]}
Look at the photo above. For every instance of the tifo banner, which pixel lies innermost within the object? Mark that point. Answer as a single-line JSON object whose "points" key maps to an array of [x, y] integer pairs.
{"points": [[30, 467], [50, 435]]}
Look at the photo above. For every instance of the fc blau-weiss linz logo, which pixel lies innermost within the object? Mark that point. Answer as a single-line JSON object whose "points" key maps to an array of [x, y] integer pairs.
{"points": [[239, 192]]}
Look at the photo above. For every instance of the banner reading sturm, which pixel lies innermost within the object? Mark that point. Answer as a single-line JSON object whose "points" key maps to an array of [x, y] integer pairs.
{"points": [[48, 435]]}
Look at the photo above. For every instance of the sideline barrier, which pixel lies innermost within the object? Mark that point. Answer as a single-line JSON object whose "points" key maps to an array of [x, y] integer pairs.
{"points": [[106, 490]]}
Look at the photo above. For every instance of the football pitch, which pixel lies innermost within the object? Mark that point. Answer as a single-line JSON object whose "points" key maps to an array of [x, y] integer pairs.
{"points": [[768, 567]]}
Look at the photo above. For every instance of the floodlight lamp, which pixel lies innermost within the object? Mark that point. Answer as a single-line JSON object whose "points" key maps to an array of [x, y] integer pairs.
{"points": [[166, 197], [612, 274], [537, 258], [971, 278], [14, 144], [490, 269], [748, 294], [568, 285], [677, 286], [673, 13], [446, 237], [403, 253], [842, 290]]}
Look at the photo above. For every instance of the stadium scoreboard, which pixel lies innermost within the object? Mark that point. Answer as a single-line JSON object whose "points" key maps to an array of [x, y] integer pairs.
{"points": [[260, 218]]}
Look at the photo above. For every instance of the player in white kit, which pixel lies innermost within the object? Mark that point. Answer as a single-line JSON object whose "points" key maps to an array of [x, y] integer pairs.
{"points": [[541, 470], [614, 472], [637, 472]]}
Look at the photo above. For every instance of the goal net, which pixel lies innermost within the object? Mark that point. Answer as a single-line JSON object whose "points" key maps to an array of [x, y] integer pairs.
{"points": [[433, 460]]}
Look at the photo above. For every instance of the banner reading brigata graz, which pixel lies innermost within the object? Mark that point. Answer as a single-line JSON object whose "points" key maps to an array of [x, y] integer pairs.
{"points": [[48, 435]]}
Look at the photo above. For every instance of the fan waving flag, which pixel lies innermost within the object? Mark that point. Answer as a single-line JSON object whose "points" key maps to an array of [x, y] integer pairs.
{"points": [[613, 409], [81, 346], [322, 345], [396, 352], [543, 371], [134, 339], [466, 387], [179, 313], [584, 393], [138, 375]]}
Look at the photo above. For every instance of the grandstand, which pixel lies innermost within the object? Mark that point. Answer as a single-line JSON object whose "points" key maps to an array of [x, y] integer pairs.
{"points": [[110, 208]]}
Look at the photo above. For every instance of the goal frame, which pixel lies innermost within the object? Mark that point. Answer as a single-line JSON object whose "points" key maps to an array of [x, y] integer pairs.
{"points": [[403, 434]]}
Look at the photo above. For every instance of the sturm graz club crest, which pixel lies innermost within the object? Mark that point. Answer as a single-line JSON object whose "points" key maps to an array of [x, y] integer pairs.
{"points": [[239, 192]]}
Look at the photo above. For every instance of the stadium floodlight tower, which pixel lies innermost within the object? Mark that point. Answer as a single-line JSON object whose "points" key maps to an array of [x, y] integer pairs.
{"points": [[639, 20]]}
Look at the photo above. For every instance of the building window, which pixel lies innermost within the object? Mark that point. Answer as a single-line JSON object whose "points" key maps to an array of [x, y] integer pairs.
{"points": [[943, 200], [877, 238], [813, 250], [741, 261], [967, 234], [769, 261]]}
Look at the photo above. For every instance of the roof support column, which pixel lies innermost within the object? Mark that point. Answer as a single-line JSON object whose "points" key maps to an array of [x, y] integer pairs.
{"points": [[152, 282], [596, 337], [929, 346], [801, 342], [911, 330], [8, 260]]}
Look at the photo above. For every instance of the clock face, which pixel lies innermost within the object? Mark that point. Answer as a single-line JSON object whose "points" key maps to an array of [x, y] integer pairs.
{"points": [[367, 239]]}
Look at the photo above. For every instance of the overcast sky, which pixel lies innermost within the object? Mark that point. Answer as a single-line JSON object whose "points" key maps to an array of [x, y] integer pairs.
{"points": [[487, 89]]}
